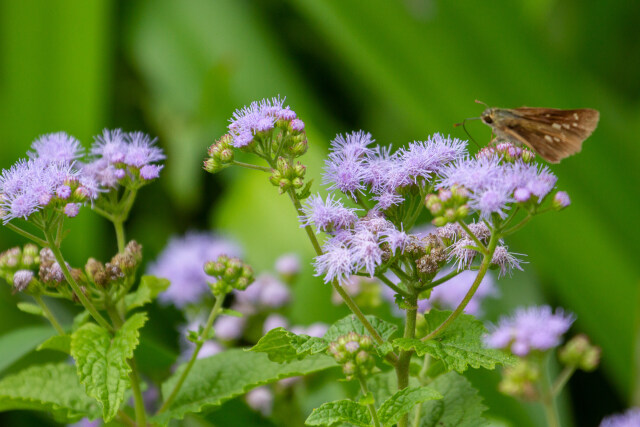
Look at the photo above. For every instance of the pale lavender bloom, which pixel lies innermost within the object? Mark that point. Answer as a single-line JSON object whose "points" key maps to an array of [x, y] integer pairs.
{"points": [[260, 399], [265, 291], [141, 150], [521, 195], [229, 328], [379, 165], [288, 264], [335, 263], [450, 231], [85, 422], [539, 181], [561, 199], [317, 329], [345, 167], [21, 279], [297, 125], [182, 262], [473, 174], [396, 239], [530, 329], [71, 209], [480, 230], [387, 199], [365, 251], [505, 260], [257, 117], [327, 214], [451, 293], [631, 418], [103, 172], [461, 252], [110, 146], [274, 321], [56, 147], [149, 172], [63, 192], [492, 199]]}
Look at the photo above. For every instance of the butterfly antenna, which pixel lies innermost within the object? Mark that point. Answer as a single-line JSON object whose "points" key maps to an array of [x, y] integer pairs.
{"points": [[483, 103], [465, 129]]}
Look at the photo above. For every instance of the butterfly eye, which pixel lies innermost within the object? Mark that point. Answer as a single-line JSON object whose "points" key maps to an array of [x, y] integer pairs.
{"points": [[487, 119]]}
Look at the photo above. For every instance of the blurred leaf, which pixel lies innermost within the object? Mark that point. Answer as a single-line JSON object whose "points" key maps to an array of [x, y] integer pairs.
{"points": [[404, 401], [16, 344], [51, 388], [57, 342], [101, 361], [281, 345], [216, 379], [340, 411], [30, 308], [148, 290]]}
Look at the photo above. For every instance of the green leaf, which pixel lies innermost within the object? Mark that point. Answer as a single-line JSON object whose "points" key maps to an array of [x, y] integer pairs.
{"points": [[461, 406], [216, 379], [284, 346], [459, 346], [30, 308], [404, 401], [101, 361], [80, 319], [52, 388], [340, 411], [352, 324], [231, 312], [57, 342], [149, 288], [17, 343]]}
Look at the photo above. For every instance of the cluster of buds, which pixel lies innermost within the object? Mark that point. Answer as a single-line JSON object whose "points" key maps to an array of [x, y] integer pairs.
{"points": [[354, 353], [221, 154], [69, 197], [286, 175], [580, 353], [449, 205], [521, 381], [231, 273], [16, 265], [50, 272], [508, 152], [121, 266], [428, 253]]}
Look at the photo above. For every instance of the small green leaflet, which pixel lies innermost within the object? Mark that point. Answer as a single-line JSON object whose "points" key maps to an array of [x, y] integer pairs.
{"points": [[149, 288], [340, 411], [30, 308], [460, 407], [404, 401], [57, 342], [284, 346], [351, 323]]}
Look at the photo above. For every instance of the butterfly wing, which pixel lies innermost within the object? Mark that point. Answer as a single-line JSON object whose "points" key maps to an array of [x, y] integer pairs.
{"points": [[553, 134]]}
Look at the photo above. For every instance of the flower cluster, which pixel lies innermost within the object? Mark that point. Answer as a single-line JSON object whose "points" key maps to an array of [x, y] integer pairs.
{"points": [[630, 418], [354, 353], [530, 329], [230, 274]]}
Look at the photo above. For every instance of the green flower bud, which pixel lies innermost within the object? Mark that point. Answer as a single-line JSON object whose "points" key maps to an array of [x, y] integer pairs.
{"points": [[297, 183], [212, 165], [226, 155], [299, 148], [579, 352], [462, 212], [214, 268], [439, 221]]}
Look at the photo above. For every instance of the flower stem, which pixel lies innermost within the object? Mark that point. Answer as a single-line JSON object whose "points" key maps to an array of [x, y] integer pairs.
{"points": [[562, 379], [547, 398], [217, 308], [518, 226], [26, 234], [440, 281], [250, 166], [74, 285], [484, 266], [473, 236], [119, 228], [402, 367], [49, 315], [308, 229], [371, 406], [391, 285]]}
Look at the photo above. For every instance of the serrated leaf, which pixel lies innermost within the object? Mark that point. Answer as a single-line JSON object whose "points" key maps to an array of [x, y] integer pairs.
{"points": [[305, 192], [149, 288], [30, 308], [17, 343], [57, 342], [52, 388], [80, 319], [281, 345], [216, 379], [101, 361], [352, 324], [404, 401], [384, 348], [459, 346], [461, 405], [340, 411]]}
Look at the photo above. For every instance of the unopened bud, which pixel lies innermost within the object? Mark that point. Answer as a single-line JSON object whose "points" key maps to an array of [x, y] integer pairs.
{"points": [[561, 200], [579, 352]]}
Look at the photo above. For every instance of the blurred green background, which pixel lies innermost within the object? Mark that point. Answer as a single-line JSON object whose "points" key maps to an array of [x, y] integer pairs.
{"points": [[398, 69]]}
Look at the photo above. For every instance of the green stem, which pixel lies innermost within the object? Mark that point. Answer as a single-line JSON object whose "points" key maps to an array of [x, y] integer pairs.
{"points": [[49, 315], [371, 406], [102, 212], [402, 367], [74, 285], [484, 266], [422, 377], [562, 379], [134, 376], [125, 419], [307, 228], [217, 308], [440, 281], [26, 234], [250, 166], [518, 226], [473, 236], [390, 284], [119, 227], [547, 398]]}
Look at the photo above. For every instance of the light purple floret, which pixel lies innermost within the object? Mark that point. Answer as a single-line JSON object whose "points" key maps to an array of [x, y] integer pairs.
{"points": [[259, 116], [149, 172], [288, 264], [562, 199], [141, 150], [182, 262], [631, 418], [452, 292], [345, 169], [326, 214], [21, 279], [274, 321], [505, 260], [56, 147], [261, 399], [266, 291], [530, 329], [335, 263], [71, 209]]}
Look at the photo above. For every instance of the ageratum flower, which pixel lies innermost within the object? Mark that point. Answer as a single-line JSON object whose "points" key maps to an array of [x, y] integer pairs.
{"points": [[345, 169], [630, 418], [182, 263], [326, 215], [530, 329], [57, 147]]}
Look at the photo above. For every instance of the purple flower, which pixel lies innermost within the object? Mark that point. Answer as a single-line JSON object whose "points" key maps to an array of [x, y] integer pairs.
{"points": [[297, 125], [336, 263], [21, 279], [345, 168], [365, 251], [505, 260], [259, 116], [229, 327], [490, 200], [317, 329], [288, 264], [261, 399], [396, 239], [530, 329], [266, 291], [141, 150], [182, 262], [71, 209], [631, 418], [274, 321], [462, 254], [209, 348], [451, 293], [327, 214], [56, 147], [379, 166], [110, 146], [149, 172], [561, 200]]}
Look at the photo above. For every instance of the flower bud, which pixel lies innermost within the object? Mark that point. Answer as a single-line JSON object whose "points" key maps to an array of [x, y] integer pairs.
{"points": [[528, 156], [21, 280], [561, 200], [521, 381], [214, 268], [579, 352], [439, 221], [212, 165], [299, 148], [226, 155]]}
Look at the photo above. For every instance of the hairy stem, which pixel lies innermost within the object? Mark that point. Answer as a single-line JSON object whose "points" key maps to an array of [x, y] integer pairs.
{"points": [[440, 281], [391, 285], [26, 234], [562, 380], [119, 228], [371, 406], [484, 266], [49, 315], [250, 166], [217, 308], [473, 236], [402, 367], [74, 285]]}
